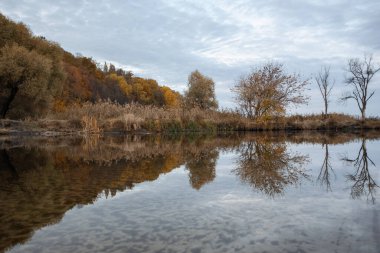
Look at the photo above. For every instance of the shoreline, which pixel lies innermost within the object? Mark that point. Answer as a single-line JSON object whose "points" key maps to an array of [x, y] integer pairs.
{"points": [[52, 128]]}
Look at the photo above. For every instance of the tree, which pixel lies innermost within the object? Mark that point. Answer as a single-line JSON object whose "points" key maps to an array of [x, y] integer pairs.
{"points": [[360, 75], [25, 77], [172, 98], [268, 90], [111, 68], [325, 86], [201, 92], [105, 68], [13, 32]]}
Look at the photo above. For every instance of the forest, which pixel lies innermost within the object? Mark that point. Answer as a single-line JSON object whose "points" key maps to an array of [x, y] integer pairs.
{"points": [[39, 77]]}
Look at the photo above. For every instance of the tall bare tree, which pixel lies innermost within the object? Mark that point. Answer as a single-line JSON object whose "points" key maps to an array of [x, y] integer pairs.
{"points": [[360, 75], [325, 85], [268, 90]]}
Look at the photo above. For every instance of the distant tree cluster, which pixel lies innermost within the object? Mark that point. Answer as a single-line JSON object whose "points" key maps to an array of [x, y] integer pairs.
{"points": [[37, 77]]}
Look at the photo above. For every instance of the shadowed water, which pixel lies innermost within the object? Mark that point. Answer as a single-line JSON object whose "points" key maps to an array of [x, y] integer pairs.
{"points": [[308, 192]]}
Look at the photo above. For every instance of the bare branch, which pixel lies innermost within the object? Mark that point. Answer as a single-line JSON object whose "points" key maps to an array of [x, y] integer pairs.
{"points": [[360, 75]]}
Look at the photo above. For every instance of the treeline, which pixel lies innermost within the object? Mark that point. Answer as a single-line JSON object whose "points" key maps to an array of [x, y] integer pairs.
{"points": [[37, 76]]}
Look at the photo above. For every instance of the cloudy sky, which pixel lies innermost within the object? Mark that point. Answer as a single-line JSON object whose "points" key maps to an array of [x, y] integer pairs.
{"points": [[167, 39]]}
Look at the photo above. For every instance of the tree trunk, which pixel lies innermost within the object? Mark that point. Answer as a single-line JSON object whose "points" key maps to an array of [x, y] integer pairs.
{"points": [[8, 102], [363, 111]]}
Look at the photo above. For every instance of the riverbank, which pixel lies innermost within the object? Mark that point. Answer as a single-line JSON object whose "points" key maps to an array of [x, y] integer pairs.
{"points": [[107, 117]]}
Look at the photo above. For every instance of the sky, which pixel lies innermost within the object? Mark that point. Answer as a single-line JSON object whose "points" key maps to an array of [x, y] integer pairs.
{"points": [[167, 39]]}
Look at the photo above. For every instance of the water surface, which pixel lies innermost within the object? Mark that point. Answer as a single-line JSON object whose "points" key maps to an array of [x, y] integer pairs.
{"points": [[308, 192]]}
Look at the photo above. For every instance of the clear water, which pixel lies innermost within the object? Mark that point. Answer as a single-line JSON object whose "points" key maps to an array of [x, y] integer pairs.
{"points": [[237, 193]]}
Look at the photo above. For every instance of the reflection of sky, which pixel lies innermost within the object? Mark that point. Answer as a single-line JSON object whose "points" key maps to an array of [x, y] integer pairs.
{"points": [[225, 215]]}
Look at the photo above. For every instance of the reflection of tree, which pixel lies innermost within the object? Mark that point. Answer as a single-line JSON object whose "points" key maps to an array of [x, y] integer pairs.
{"points": [[41, 179], [38, 185], [6, 164], [326, 169], [364, 184], [202, 168], [268, 167]]}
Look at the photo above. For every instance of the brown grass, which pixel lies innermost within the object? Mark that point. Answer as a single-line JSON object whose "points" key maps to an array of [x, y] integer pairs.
{"points": [[111, 117], [133, 117]]}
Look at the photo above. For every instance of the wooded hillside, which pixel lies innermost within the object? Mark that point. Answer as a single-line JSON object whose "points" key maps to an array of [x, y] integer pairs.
{"points": [[38, 77]]}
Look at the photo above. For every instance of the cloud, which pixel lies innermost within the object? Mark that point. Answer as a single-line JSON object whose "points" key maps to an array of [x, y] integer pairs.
{"points": [[167, 39]]}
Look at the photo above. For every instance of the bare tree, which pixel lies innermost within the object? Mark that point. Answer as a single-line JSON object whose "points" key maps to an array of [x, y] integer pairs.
{"points": [[360, 75], [268, 90], [325, 85]]}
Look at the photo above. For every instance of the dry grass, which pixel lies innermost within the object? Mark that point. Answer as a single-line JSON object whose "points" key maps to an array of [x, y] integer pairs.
{"points": [[133, 117], [111, 117]]}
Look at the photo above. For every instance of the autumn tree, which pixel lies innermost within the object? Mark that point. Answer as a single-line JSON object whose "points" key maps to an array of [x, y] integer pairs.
{"points": [[269, 90], [172, 98], [201, 92], [325, 85], [124, 86], [25, 79], [69, 79], [360, 74], [13, 32]]}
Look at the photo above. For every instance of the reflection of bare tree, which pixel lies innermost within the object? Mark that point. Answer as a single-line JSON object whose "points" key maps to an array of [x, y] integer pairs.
{"points": [[326, 169], [202, 168], [269, 167], [364, 184]]}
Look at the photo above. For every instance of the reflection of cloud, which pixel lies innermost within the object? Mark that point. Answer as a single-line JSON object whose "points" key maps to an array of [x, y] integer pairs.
{"points": [[166, 40], [230, 200]]}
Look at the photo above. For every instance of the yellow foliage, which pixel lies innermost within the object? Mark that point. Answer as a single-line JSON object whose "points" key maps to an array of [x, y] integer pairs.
{"points": [[172, 99], [124, 86]]}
